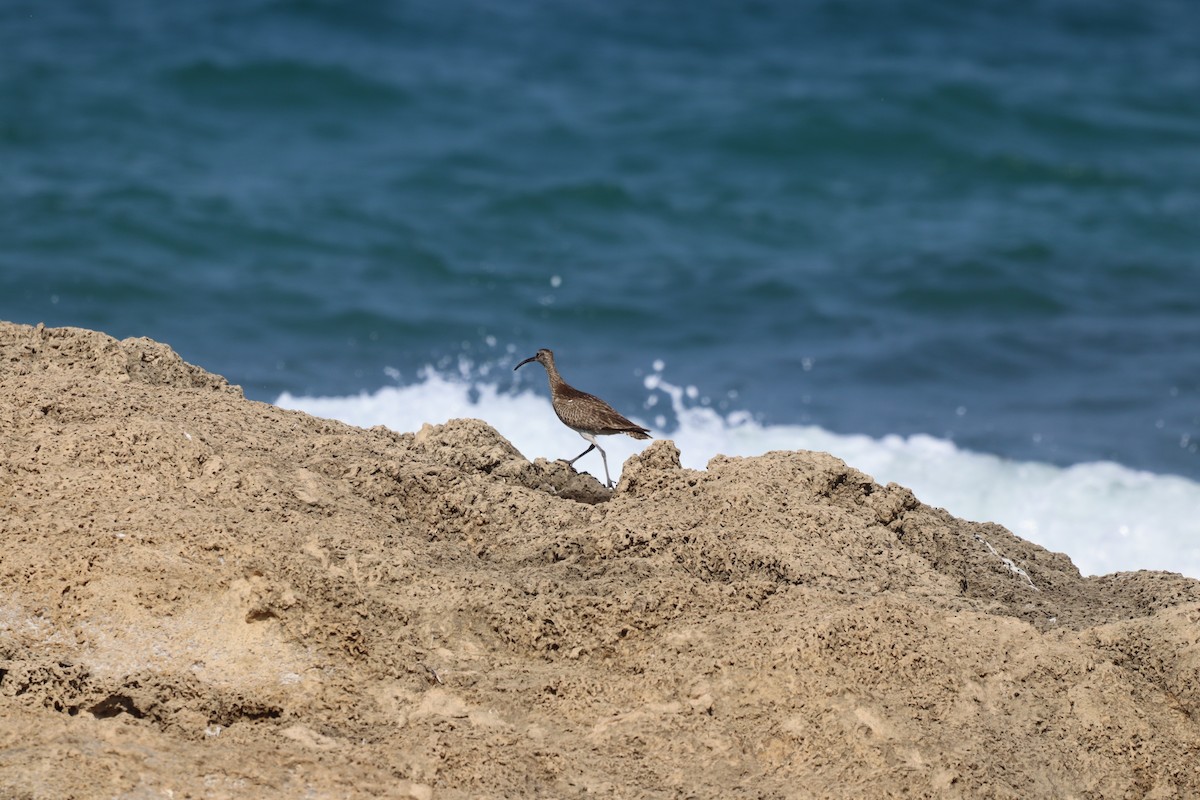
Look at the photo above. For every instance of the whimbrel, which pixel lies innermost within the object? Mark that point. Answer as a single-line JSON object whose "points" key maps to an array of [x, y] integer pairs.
{"points": [[584, 413]]}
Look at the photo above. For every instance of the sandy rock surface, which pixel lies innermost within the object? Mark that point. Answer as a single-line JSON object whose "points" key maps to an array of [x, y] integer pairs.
{"points": [[204, 596]]}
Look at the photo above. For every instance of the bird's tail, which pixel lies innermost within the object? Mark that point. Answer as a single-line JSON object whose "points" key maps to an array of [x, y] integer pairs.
{"points": [[639, 433]]}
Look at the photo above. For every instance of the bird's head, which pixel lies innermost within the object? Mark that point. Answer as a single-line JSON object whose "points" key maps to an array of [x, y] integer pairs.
{"points": [[544, 357]]}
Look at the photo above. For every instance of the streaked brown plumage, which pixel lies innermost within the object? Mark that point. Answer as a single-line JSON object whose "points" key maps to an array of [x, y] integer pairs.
{"points": [[584, 413]]}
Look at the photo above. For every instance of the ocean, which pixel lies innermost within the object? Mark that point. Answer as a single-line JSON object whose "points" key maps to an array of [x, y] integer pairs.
{"points": [[957, 246]]}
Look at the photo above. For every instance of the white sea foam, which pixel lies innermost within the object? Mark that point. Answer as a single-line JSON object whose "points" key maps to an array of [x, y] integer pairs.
{"points": [[1106, 517]]}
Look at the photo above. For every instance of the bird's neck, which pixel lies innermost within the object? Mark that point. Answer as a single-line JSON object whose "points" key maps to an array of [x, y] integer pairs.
{"points": [[552, 374]]}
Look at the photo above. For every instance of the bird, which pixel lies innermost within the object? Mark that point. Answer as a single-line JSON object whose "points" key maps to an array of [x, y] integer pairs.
{"points": [[584, 413]]}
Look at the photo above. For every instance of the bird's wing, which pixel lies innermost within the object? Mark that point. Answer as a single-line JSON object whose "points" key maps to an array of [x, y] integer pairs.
{"points": [[584, 411]]}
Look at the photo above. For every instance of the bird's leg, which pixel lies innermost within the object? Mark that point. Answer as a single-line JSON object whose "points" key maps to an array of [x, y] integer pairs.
{"points": [[591, 437], [591, 447], [604, 458]]}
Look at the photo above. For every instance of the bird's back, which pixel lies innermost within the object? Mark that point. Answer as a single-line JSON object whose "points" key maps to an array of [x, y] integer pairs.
{"points": [[587, 413]]}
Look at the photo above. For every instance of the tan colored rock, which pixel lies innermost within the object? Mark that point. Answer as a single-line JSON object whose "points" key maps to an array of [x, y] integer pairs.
{"points": [[204, 596]]}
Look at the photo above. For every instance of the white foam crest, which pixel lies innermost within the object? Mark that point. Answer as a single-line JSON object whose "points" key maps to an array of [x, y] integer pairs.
{"points": [[1106, 517], [526, 419]]}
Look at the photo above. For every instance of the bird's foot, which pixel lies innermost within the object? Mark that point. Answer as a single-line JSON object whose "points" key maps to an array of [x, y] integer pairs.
{"points": [[571, 463]]}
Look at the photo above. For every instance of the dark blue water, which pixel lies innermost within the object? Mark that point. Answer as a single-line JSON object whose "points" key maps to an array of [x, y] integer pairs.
{"points": [[981, 223]]}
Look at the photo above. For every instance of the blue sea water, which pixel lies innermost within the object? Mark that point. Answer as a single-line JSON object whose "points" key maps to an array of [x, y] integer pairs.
{"points": [[957, 245]]}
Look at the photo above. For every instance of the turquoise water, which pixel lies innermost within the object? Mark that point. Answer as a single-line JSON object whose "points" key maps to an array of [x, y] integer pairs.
{"points": [[877, 218]]}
